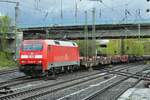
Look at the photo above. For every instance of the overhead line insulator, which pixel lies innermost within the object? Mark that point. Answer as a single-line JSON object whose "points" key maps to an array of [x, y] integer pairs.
{"points": [[147, 10]]}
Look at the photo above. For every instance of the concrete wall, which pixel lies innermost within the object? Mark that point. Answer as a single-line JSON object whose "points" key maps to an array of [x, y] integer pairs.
{"points": [[11, 42]]}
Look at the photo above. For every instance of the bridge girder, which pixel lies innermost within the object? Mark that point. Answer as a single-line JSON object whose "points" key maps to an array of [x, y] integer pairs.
{"points": [[112, 31]]}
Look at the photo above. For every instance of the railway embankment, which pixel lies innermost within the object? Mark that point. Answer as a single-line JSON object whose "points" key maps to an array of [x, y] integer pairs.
{"points": [[6, 61]]}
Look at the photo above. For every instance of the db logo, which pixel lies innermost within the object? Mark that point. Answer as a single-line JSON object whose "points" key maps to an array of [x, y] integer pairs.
{"points": [[31, 55]]}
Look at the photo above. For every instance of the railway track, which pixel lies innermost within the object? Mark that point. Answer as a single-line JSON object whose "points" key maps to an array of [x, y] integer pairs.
{"points": [[81, 93], [17, 81], [50, 88], [21, 80], [8, 71], [26, 79], [96, 94], [42, 90], [106, 92]]}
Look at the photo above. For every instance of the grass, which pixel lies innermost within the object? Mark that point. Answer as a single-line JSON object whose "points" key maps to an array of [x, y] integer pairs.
{"points": [[6, 61]]}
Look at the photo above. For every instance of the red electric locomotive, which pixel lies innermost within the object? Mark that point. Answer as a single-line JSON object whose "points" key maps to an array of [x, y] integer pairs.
{"points": [[41, 57]]}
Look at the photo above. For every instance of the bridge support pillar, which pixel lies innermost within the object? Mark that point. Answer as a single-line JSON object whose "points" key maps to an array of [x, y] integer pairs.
{"points": [[47, 34], [122, 46]]}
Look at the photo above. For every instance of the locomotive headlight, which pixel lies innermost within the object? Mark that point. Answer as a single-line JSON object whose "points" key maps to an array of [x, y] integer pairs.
{"points": [[24, 56], [40, 61], [23, 61], [38, 56]]}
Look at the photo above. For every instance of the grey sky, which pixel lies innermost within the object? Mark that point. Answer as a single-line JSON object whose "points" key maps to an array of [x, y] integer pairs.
{"points": [[47, 12]]}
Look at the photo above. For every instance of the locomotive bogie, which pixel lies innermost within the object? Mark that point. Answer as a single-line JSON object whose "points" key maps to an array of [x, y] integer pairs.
{"points": [[31, 69]]}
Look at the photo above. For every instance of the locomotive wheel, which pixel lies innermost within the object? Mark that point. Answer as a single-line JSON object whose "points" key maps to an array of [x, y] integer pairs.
{"points": [[66, 69], [53, 72], [71, 69], [45, 75], [62, 69]]}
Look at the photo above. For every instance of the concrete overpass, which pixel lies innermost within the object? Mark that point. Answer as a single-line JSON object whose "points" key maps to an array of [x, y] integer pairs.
{"points": [[105, 31]]}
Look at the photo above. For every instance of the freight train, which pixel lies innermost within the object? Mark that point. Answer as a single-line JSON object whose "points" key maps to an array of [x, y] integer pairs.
{"points": [[44, 57]]}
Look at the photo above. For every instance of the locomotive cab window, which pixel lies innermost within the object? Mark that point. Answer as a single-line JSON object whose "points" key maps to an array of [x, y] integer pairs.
{"points": [[57, 42], [28, 47], [74, 44]]}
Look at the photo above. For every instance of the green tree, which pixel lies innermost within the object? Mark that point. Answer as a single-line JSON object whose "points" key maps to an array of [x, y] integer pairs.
{"points": [[146, 44], [89, 46], [4, 28], [134, 47], [113, 47]]}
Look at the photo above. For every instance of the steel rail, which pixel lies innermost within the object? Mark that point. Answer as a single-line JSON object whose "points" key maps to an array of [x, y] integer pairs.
{"points": [[13, 95], [37, 89], [48, 92], [120, 93], [17, 81], [111, 85], [8, 71]]}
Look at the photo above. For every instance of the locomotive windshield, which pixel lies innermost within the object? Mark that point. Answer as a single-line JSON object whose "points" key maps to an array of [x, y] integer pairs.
{"points": [[28, 47]]}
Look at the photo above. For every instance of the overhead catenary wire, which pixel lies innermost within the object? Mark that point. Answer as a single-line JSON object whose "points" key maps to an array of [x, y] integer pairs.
{"points": [[100, 13], [115, 9], [76, 11], [61, 11], [126, 13], [44, 10]]}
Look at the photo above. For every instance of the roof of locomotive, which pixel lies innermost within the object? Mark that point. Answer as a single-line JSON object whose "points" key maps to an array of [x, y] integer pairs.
{"points": [[53, 42]]}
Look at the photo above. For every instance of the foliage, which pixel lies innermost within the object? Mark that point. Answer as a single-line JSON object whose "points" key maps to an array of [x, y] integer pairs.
{"points": [[113, 47], [6, 60], [5, 56], [4, 28], [5, 23], [133, 47], [146, 45], [87, 47]]}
